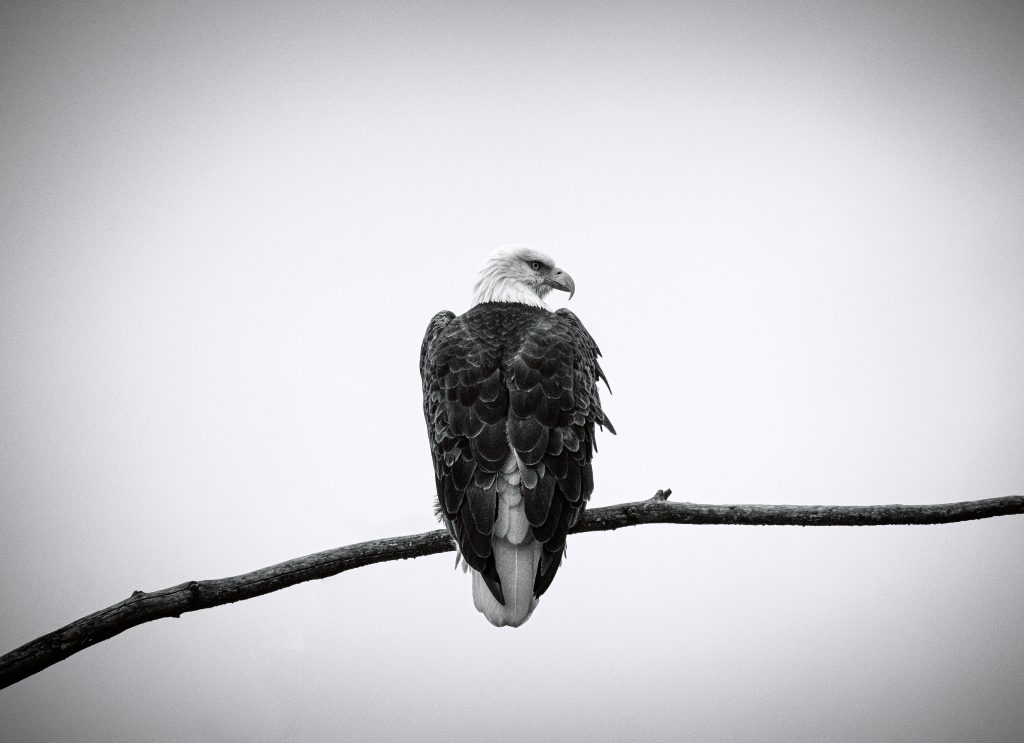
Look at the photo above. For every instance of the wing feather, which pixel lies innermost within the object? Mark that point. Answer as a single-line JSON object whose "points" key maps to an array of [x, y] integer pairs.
{"points": [[503, 378]]}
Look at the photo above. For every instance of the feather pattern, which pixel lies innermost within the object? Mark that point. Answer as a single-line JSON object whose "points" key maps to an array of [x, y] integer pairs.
{"points": [[511, 404]]}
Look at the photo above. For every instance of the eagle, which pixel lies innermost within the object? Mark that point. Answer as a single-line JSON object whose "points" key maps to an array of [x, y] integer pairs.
{"points": [[510, 397]]}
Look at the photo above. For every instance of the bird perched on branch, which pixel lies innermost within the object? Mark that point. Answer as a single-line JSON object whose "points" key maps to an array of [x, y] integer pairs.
{"points": [[510, 399]]}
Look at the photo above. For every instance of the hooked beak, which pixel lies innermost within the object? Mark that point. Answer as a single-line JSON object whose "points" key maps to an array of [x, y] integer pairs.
{"points": [[562, 281]]}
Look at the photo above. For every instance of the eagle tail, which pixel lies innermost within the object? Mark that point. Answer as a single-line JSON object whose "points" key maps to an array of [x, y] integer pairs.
{"points": [[517, 568], [506, 592]]}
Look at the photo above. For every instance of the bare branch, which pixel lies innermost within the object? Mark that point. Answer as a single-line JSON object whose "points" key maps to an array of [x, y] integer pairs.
{"points": [[143, 607], [658, 510]]}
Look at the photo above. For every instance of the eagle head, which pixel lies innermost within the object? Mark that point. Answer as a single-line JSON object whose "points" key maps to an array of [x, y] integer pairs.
{"points": [[520, 274]]}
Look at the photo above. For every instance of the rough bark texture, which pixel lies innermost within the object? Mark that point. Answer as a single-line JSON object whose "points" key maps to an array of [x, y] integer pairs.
{"points": [[143, 607]]}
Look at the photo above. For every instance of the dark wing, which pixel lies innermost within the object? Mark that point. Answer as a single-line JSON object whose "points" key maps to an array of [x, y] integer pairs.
{"points": [[433, 391], [465, 404], [541, 396], [554, 406]]}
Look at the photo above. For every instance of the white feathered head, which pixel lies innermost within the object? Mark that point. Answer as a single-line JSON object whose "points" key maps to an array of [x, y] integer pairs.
{"points": [[516, 273]]}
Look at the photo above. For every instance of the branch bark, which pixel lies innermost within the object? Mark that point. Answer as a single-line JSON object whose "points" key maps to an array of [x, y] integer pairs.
{"points": [[142, 607]]}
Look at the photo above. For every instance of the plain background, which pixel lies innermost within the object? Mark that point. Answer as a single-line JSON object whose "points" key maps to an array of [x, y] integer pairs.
{"points": [[797, 234]]}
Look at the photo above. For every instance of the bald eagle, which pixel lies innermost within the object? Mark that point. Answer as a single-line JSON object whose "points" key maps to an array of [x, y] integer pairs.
{"points": [[510, 399]]}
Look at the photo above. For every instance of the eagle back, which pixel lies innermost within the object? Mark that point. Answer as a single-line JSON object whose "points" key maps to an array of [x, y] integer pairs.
{"points": [[510, 377]]}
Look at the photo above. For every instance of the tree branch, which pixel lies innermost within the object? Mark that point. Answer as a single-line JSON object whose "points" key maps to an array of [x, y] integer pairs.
{"points": [[141, 607]]}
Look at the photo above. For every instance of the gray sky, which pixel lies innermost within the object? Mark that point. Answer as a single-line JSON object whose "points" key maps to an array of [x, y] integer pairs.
{"points": [[797, 234]]}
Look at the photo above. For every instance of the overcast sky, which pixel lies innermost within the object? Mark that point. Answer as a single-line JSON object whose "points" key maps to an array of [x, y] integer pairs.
{"points": [[797, 233]]}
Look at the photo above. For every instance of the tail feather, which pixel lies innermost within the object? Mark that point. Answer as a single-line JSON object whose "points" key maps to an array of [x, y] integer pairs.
{"points": [[516, 557], [517, 568]]}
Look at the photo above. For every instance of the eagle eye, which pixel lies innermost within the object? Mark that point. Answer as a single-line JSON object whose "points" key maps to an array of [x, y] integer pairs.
{"points": [[535, 265]]}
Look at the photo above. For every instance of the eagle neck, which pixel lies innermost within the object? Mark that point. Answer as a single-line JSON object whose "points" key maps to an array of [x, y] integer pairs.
{"points": [[491, 288]]}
